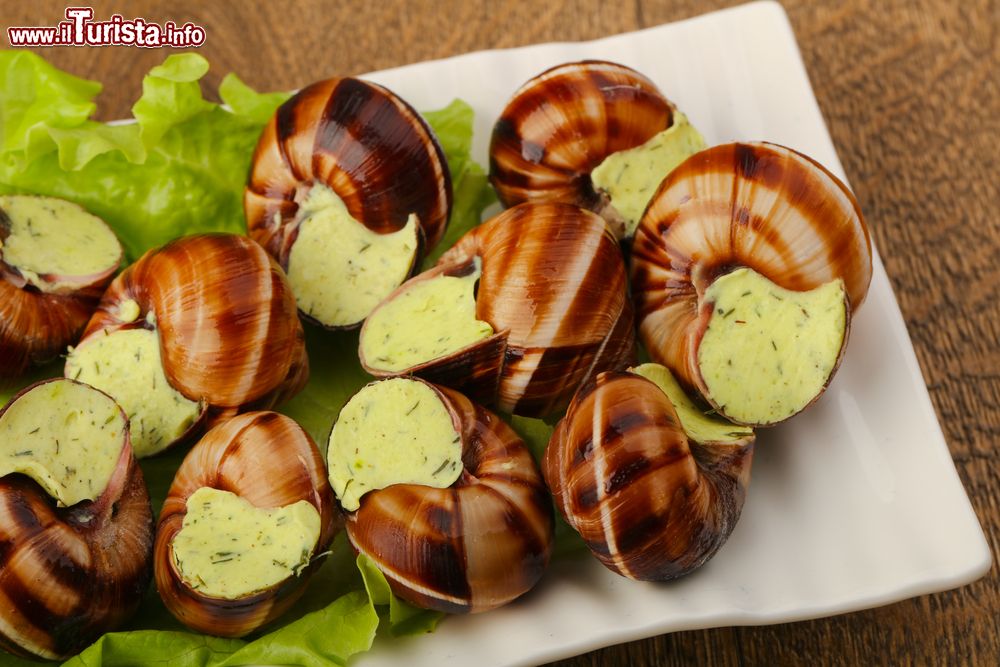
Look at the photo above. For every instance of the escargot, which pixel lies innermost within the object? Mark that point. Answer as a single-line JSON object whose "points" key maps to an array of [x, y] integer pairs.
{"points": [[246, 522], [55, 261], [347, 189], [76, 528], [746, 269], [442, 495], [519, 313], [199, 329], [652, 484], [593, 133]]}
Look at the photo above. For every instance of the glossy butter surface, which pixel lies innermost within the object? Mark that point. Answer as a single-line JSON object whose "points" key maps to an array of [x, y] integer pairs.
{"points": [[426, 320], [338, 268], [48, 236], [396, 431], [66, 437], [227, 548], [127, 365]]}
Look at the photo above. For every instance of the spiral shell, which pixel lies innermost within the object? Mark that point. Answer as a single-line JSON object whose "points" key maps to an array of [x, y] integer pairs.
{"points": [[553, 287], [755, 205], [268, 460], [229, 333], [563, 123], [365, 143], [40, 317], [650, 503], [68, 575], [474, 546]]}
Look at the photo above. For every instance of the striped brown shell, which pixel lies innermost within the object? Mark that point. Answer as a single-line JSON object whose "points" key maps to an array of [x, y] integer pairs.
{"points": [[268, 460], [474, 546], [650, 504], [553, 287], [229, 331], [68, 575], [37, 322], [755, 205], [561, 124], [365, 143]]}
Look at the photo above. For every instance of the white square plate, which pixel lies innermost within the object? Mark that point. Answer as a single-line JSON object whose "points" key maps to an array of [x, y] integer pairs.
{"points": [[854, 504]]}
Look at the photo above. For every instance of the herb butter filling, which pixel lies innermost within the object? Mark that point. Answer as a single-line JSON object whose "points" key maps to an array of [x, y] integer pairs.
{"points": [[395, 431], [427, 320], [339, 269], [53, 237], [127, 365], [699, 426], [66, 436], [769, 351], [228, 548], [631, 177]]}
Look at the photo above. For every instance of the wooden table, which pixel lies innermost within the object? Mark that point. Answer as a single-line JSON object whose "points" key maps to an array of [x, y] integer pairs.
{"points": [[911, 92]]}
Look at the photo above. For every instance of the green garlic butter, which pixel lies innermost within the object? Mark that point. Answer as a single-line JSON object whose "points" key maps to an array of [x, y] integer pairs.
{"points": [[768, 351], [227, 548], [630, 177], [429, 319], [338, 268], [55, 237], [128, 311], [65, 436], [698, 426], [127, 365], [395, 431]]}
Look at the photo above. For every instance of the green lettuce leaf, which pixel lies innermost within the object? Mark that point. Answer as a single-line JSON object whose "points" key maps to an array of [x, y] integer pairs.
{"points": [[155, 647], [404, 618], [179, 169], [472, 192]]}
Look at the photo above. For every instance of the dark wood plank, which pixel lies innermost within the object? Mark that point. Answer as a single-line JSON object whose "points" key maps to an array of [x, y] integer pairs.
{"points": [[911, 93]]}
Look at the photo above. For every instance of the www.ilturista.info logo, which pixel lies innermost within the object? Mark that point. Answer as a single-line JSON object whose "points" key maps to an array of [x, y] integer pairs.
{"points": [[79, 29]]}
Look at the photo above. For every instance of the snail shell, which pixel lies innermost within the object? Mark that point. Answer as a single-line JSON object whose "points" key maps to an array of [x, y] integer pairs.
{"points": [[229, 335], [70, 574], [553, 288], [268, 460], [755, 205], [472, 546], [363, 142], [560, 125], [650, 503], [42, 313]]}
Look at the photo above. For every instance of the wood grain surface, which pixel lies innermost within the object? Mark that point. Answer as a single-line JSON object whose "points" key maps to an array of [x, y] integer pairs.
{"points": [[911, 92]]}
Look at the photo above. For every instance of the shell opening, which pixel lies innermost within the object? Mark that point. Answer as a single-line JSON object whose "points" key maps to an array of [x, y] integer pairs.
{"points": [[630, 178], [768, 352], [396, 431], [699, 425], [52, 241], [66, 436], [338, 268], [427, 320], [228, 548], [127, 365]]}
